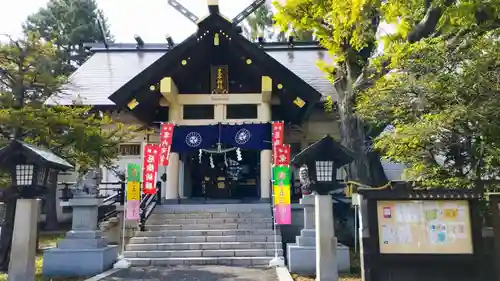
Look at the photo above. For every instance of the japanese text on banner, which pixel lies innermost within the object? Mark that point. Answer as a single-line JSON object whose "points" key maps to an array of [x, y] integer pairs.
{"points": [[150, 167], [282, 155], [133, 191], [281, 190], [283, 214], [278, 132], [132, 210], [133, 172], [166, 133], [281, 175], [281, 195]]}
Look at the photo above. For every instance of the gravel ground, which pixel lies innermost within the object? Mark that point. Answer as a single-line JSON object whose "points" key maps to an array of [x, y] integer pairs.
{"points": [[341, 278], [193, 273]]}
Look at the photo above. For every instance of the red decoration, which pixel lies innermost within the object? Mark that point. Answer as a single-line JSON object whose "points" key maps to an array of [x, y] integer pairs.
{"points": [[150, 167], [166, 133], [278, 132], [282, 155]]}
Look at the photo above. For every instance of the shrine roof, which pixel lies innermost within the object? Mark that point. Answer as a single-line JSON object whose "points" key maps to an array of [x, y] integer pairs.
{"points": [[109, 69]]}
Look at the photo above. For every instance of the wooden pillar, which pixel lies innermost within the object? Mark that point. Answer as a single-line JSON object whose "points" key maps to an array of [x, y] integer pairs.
{"points": [[265, 155], [169, 91]]}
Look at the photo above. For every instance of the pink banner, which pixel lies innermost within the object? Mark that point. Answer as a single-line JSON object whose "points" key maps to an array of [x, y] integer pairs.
{"points": [[132, 211], [283, 214]]}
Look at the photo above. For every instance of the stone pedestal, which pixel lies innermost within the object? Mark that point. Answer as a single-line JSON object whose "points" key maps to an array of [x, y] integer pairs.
{"points": [[84, 251], [23, 250], [326, 258], [302, 254]]}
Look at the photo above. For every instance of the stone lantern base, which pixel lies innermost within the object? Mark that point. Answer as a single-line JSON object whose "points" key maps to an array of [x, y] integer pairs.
{"points": [[84, 251], [301, 255], [79, 254]]}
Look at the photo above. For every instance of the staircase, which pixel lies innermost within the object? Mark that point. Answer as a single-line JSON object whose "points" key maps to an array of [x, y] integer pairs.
{"points": [[219, 234]]}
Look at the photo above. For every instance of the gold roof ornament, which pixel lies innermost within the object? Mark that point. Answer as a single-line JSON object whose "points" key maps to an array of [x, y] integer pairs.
{"points": [[132, 104]]}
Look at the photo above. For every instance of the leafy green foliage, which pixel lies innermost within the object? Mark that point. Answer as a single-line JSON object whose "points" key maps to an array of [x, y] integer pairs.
{"points": [[77, 133], [69, 24], [341, 26], [444, 102], [435, 82]]}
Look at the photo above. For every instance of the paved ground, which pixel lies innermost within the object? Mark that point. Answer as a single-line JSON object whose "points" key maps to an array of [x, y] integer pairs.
{"points": [[193, 273]]}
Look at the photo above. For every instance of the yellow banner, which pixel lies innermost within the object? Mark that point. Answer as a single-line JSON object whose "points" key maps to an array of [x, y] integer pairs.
{"points": [[133, 190], [281, 194]]}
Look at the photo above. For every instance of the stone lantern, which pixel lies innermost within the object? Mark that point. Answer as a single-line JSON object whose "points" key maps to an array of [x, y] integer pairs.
{"points": [[322, 159], [32, 170], [31, 167]]}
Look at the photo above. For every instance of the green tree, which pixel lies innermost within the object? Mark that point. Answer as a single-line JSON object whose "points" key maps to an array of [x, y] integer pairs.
{"points": [[69, 24], [444, 102], [26, 81], [348, 29]]}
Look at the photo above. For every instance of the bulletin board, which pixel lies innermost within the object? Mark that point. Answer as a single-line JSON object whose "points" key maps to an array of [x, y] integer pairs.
{"points": [[424, 227]]}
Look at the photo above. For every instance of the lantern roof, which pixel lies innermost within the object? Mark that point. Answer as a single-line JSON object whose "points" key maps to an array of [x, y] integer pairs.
{"points": [[18, 151], [325, 149]]}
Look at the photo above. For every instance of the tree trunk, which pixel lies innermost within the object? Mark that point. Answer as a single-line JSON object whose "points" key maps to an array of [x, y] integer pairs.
{"points": [[7, 221], [366, 168]]}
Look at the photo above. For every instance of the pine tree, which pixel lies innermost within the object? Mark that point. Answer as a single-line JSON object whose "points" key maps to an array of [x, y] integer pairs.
{"points": [[69, 24]]}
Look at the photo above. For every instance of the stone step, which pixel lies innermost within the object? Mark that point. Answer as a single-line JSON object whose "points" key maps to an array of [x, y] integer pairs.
{"points": [[227, 226], [160, 220], [208, 215], [216, 208], [201, 239], [206, 232], [203, 246], [203, 253], [236, 261]]}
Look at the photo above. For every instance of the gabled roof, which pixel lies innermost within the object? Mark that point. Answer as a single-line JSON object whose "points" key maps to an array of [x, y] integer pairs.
{"points": [[117, 75], [106, 71]]}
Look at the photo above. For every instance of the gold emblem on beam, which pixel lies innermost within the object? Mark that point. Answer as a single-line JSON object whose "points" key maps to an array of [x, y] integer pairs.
{"points": [[299, 102], [133, 104], [216, 39], [219, 80]]}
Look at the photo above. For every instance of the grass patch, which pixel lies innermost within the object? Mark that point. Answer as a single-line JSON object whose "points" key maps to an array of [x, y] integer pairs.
{"points": [[45, 241], [49, 240]]}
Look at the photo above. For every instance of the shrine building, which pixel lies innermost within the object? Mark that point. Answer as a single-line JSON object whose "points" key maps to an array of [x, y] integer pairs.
{"points": [[222, 91]]}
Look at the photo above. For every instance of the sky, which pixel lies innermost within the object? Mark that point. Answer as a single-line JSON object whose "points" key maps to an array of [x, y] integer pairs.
{"points": [[151, 19]]}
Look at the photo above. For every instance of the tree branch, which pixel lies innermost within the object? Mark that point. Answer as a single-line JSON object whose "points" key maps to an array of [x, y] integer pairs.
{"points": [[427, 26]]}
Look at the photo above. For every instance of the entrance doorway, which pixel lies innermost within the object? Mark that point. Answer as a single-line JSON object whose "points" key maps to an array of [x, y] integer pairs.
{"points": [[228, 178]]}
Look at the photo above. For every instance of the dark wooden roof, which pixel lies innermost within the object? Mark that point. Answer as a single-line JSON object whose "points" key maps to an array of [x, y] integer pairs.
{"points": [[17, 150], [325, 149], [113, 74]]}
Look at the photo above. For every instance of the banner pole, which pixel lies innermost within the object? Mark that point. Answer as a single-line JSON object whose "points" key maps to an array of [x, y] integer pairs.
{"points": [[274, 215], [125, 202], [122, 262], [276, 261]]}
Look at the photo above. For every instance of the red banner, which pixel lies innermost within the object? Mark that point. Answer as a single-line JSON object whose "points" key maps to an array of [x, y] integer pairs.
{"points": [[282, 155], [150, 167], [166, 133], [278, 133]]}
